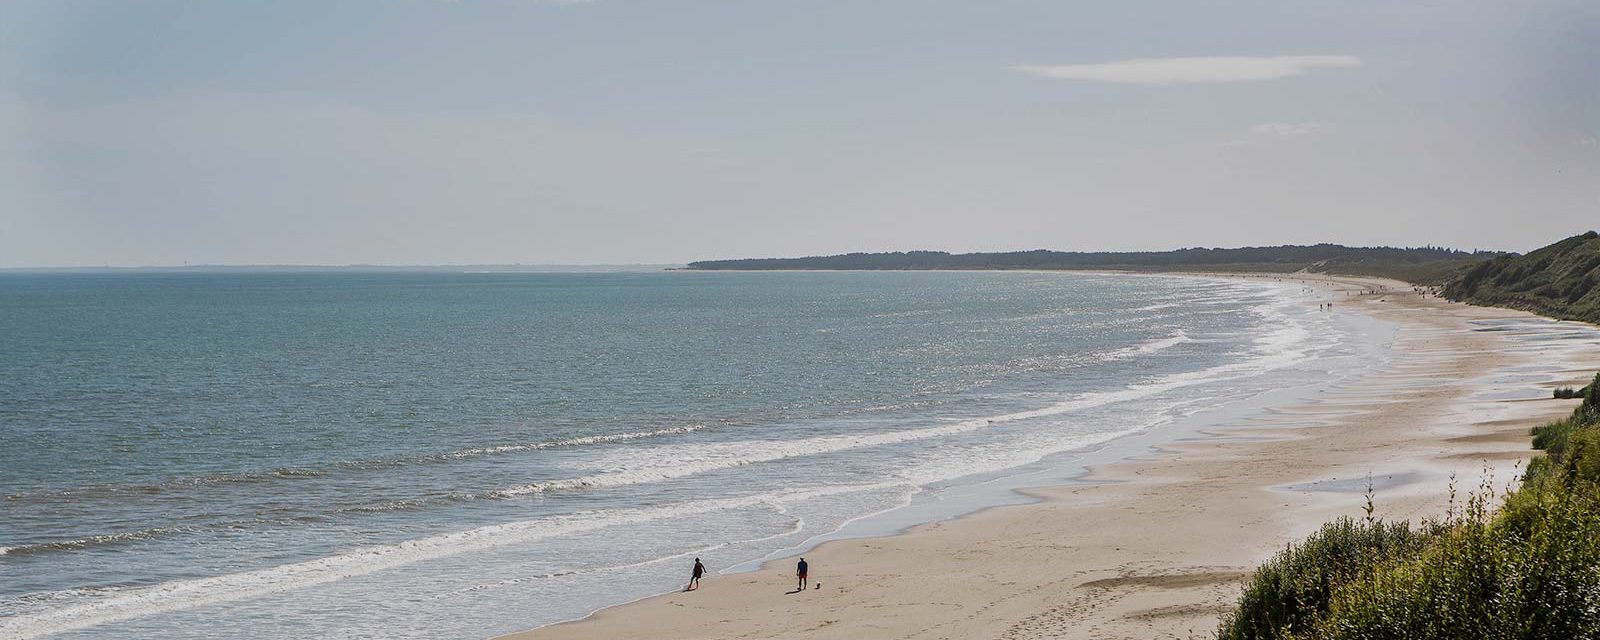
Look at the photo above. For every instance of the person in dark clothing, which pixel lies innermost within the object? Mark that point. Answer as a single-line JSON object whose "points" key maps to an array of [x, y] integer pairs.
{"points": [[800, 572], [694, 579]]}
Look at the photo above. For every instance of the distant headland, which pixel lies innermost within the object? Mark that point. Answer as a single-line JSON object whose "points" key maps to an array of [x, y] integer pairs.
{"points": [[1557, 280], [1422, 265]]}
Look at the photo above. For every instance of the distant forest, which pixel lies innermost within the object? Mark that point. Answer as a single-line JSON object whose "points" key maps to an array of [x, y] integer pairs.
{"points": [[1557, 281], [1423, 265]]}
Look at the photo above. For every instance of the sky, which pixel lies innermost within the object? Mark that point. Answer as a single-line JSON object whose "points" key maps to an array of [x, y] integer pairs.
{"points": [[144, 132]]}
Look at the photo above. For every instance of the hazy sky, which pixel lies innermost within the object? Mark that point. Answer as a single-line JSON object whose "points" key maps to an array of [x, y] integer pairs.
{"points": [[608, 131]]}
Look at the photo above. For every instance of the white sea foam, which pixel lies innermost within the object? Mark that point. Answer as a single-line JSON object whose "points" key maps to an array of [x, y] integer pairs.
{"points": [[1149, 347], [572, 442], [1156, 307], [673, 461], [1001, 456], [1274, 349], [1289, 343], [184, 594], [669, 462]]}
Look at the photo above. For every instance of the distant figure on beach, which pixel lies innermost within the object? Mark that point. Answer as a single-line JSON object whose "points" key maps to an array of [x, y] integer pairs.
{"points": [[694, 579], [800, 572]]}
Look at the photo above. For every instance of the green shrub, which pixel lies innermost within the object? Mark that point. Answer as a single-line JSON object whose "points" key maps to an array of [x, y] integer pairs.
{"points": [[1552, 438], [1532, 572], [1537, 467], [1581, 462], [1292, 590], [1589, 411], [1529, 571]]}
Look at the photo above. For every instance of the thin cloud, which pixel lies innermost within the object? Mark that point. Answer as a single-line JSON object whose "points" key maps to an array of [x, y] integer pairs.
{"points": [[1160, 71], [1290, 129]]}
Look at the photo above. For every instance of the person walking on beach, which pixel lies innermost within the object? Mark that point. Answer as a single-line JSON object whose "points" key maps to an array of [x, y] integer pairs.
{"points": [[800, 572], [694, 578]]}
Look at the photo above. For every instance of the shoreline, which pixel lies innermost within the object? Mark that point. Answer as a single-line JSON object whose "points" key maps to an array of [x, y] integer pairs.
{"points": [[1106, 580]]}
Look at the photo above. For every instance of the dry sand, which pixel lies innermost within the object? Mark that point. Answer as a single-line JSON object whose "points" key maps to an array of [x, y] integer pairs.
{"points": [[1157, 547]]}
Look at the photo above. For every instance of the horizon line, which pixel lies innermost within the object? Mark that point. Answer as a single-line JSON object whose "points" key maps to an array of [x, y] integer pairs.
{"points": [[361, 265]]}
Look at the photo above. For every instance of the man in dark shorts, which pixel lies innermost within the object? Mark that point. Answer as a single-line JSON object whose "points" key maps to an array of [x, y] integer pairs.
{"points": [[694, 580], [800, 572]]}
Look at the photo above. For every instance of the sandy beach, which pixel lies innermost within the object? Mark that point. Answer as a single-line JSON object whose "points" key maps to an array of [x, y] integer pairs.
{"points": [[1157, 546]]}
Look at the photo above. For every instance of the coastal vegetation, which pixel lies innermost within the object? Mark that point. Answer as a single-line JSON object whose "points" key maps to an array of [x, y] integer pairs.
{"points": [[1422, 265], [1557, 281], [1529, 569]]}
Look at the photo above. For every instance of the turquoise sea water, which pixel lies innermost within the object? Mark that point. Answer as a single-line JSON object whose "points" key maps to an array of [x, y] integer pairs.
{"points": [[446, 455]]}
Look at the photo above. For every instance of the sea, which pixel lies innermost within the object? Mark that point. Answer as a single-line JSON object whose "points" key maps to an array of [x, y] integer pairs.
{"points": [[455, 455]]}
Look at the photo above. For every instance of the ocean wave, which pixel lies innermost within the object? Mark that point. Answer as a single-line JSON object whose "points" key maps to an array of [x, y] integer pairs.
{"points": [[664, 463], [1148, 347], [571, 442], [88, 542], [103, 608], [161, 486], [289, 518], [190, 482], [102, 540], [1156, 307]]}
